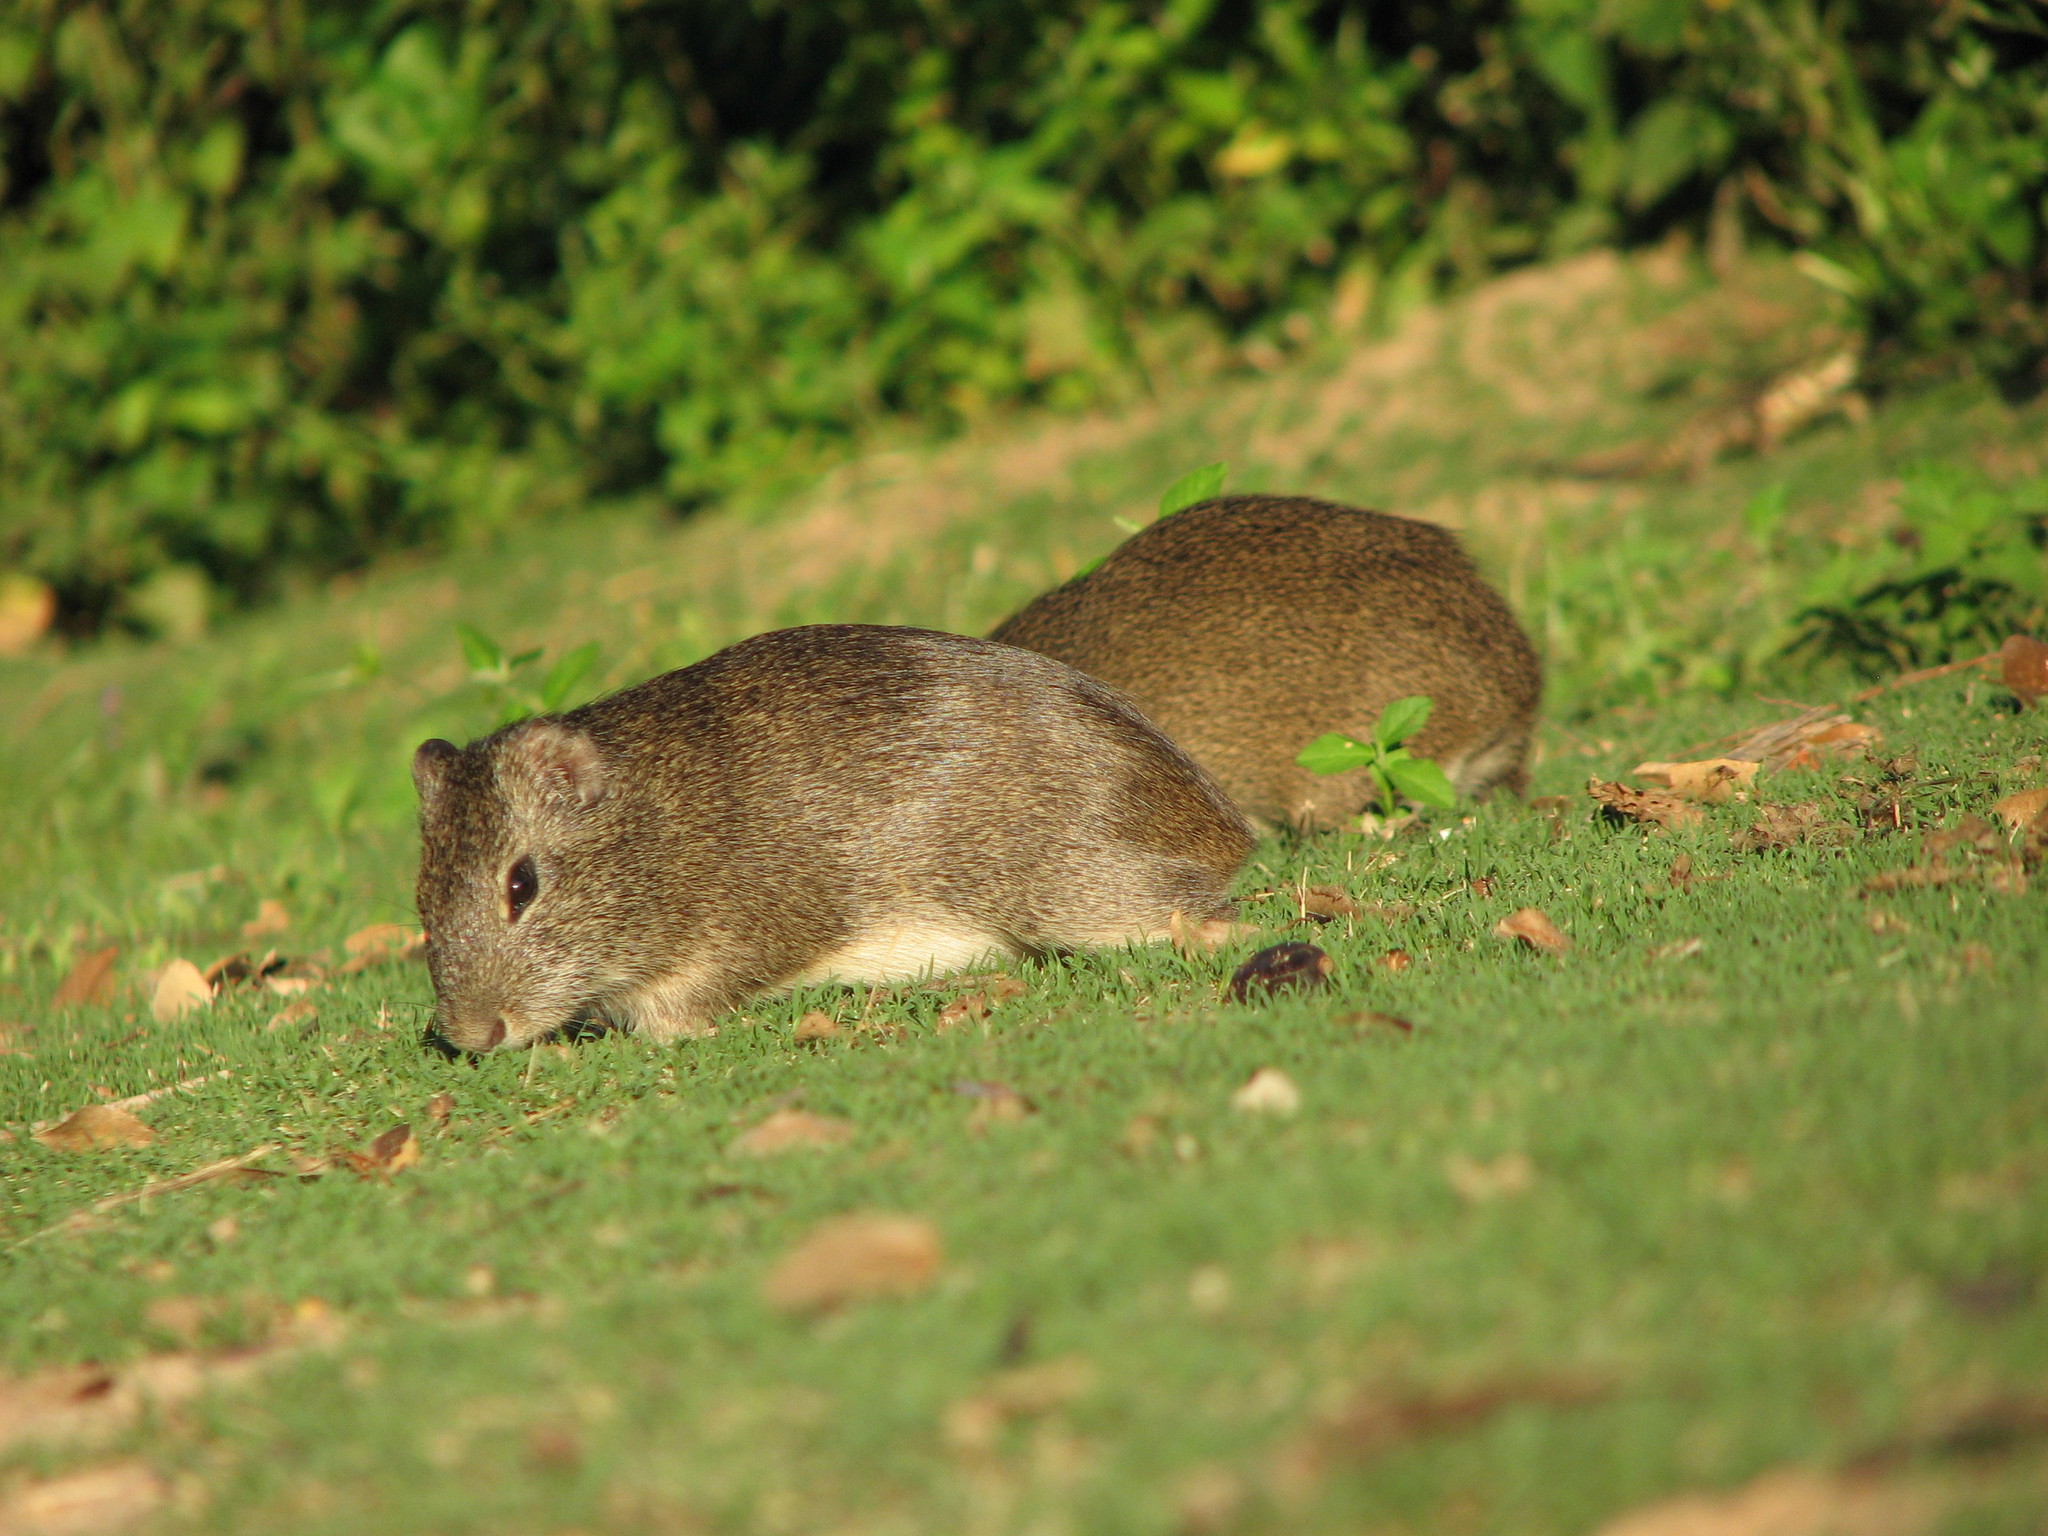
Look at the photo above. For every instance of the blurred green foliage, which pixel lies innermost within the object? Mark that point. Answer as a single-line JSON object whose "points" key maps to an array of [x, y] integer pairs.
{"points": [[1967, 566], [284, 282]]}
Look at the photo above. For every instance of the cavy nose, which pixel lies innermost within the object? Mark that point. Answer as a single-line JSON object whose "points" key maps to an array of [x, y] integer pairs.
{"points": [[495, 1035]]}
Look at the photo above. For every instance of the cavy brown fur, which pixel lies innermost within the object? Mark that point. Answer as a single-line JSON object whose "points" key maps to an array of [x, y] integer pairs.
{"points": [[1247, 626], [835, 802]]}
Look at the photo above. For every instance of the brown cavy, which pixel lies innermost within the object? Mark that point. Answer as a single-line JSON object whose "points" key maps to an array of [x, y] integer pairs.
{"points": [[839, 802], [1247, 626]]}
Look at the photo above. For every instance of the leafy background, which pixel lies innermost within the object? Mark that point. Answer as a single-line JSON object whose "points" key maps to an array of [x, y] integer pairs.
{"points": [[285, 284]]}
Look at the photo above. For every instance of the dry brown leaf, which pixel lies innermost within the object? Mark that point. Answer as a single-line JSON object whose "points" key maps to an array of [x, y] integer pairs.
{"points": [[789, 1130], [1917, 877], [1289, 967], [1373, 1019], [854, 1258], [1377, 1421], [1713, 780], [1805, 740], [391, 1151], [96, 1128], [292, 1014], [1328, 902], [1509, 1174], [1396, 960], [2023, 667], [1782, 826], [962, 1010], [90, 981], [1029, 1391], [380, 944], [1655, 807], [2023, 811], [97, 1502], [1534, 929], [817, 1026], [271, 917], [440, 1107], [181, 988], [1268, 1091], [1793, 1501], [994, 1104]]}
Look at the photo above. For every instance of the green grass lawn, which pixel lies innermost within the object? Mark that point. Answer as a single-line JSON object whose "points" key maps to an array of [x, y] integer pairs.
{"points": [[1750, 1182]]}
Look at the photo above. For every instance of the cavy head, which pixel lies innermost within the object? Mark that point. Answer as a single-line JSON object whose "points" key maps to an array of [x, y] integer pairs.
{"points": [[512, 885]]}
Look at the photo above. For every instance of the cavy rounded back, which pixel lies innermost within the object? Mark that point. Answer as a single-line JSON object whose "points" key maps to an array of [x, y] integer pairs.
{"points": [[1247, 626]]}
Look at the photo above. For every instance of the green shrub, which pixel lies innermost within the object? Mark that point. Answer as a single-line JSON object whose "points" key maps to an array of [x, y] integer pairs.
{"points": [[1967, 566], [285, 285]]}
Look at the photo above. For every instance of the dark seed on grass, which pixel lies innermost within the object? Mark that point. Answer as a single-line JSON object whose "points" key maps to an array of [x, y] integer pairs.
{"points": [[1282, 967]]}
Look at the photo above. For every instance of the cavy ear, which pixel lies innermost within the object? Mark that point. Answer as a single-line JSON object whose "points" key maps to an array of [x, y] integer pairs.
{"points": [[430, 766], [562, 761]]}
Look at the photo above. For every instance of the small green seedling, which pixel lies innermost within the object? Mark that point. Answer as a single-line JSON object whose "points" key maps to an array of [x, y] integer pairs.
{"points": [[1399, 773], [1196, 485], [499, 675]]}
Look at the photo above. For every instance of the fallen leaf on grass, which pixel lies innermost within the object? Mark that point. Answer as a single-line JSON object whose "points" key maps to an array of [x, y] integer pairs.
{"points": [[2024, 811], [1377, 1421], [2023, 667], [789, 1130], [994, 1104], [395, 1149], [817, 1026], [1268, 1091], [1396, 960], [440, 1107], [855, 1258], [1281, 968], [1783, 826], [90, 981], [1804, 740], [1509, 1174], [96, 1128], [962, 1010], [1534, 929], [380, 944], [1794, 1501], [1652, 807], [104, 1499], [181, 988], [1370, 1018], [1714, 780], [71, 1405], [291, 1014], [271, 917], [1325, 903], [973, 1423]]}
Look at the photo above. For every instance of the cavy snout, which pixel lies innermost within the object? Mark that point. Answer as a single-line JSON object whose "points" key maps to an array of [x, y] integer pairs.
{"points": [[477, 1035]]}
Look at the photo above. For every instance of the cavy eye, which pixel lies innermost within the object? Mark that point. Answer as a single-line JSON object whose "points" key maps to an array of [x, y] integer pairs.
{"points": [[521, 886]]}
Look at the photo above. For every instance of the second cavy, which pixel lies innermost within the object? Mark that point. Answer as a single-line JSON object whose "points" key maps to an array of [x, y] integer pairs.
{"points": [[1247, 626]]}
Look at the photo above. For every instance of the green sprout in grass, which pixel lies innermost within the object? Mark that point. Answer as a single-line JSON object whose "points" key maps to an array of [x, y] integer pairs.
{"points": [[1196, 485], [1399, 774], [503, 678]]}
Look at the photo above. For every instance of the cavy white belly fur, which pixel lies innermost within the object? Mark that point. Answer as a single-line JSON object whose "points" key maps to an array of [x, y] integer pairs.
{"points": [[906, 951]]}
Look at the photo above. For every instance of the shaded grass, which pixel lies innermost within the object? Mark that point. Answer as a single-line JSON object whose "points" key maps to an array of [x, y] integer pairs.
{"points": [[1776, 1201]]}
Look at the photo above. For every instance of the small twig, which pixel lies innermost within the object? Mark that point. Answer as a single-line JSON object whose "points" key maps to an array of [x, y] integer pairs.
{"points": [[1925, 674], [225, 1168], [136, 1101]]}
